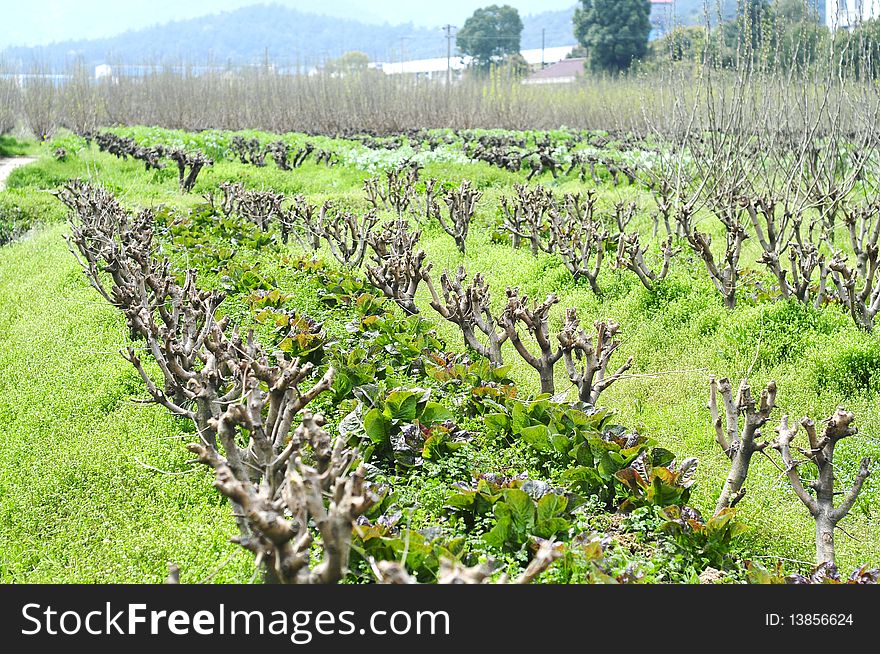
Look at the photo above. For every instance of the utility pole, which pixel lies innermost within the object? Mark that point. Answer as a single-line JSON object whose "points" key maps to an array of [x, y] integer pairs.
{"points": [[448, 28], [542, 48]]}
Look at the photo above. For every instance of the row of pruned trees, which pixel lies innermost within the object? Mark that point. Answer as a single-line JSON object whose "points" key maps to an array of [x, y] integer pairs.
{"points": [[820, 246], [226, 383], [189, 162], [793, 169], [394, 263], [818, 252], [573, 227], [398, 268], [286, 156], [286, 482]]}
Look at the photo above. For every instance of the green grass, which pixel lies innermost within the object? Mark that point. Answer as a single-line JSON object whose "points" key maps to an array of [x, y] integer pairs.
{"points": [[77, 506], [677, 342], [13, 147], [77, 500]]}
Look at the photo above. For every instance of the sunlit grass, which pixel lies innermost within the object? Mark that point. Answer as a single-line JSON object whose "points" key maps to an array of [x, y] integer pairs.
{"points": [[80, 505]]}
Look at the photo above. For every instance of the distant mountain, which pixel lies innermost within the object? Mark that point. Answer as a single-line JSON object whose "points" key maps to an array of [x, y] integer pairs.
{"points": [[244, 36], [39, 22], [291, 38], [693, 12], [557, 26], [287, 37]]}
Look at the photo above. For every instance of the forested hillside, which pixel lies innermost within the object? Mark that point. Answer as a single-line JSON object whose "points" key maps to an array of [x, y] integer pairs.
{"points": [[288, 36]]}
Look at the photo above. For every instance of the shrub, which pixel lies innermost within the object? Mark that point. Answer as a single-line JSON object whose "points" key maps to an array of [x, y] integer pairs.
{"points": [[37, 176], [779, 332], [663, 294], [708, 540], [848, 369], [19, 211]]}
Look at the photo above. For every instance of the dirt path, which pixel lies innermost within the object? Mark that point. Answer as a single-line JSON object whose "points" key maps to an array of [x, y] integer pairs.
{"points": [[8, 165]]}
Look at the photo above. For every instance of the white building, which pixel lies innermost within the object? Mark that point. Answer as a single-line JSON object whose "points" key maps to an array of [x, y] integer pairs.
{"points": [[436, 67], [537, 56], [423, 67], [850, 13], [102, 71]]}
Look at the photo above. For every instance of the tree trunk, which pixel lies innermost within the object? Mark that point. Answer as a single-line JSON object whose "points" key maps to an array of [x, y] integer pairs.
{"points": [[585, 392], [594, 285], [730, 299], [825, 516], [546, 375], [739, 471], [495, 355], [270, 575], [824, 538], [535, 244]]}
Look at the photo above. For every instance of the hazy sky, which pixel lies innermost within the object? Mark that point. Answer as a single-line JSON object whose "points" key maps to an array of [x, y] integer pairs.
{"points": [[34, 22]]}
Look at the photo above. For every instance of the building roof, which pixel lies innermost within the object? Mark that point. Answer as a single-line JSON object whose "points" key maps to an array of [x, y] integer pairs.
{"points": [[565, 69]]}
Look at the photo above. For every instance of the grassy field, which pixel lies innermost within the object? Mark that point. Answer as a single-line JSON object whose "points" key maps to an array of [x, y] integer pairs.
{"points": [[12, 147], [82, 499]]}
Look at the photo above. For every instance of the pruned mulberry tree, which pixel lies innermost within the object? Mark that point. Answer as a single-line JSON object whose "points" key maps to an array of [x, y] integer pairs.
{"points": [[818, 494], [739, 444], [468, 307], [285, 483]]}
